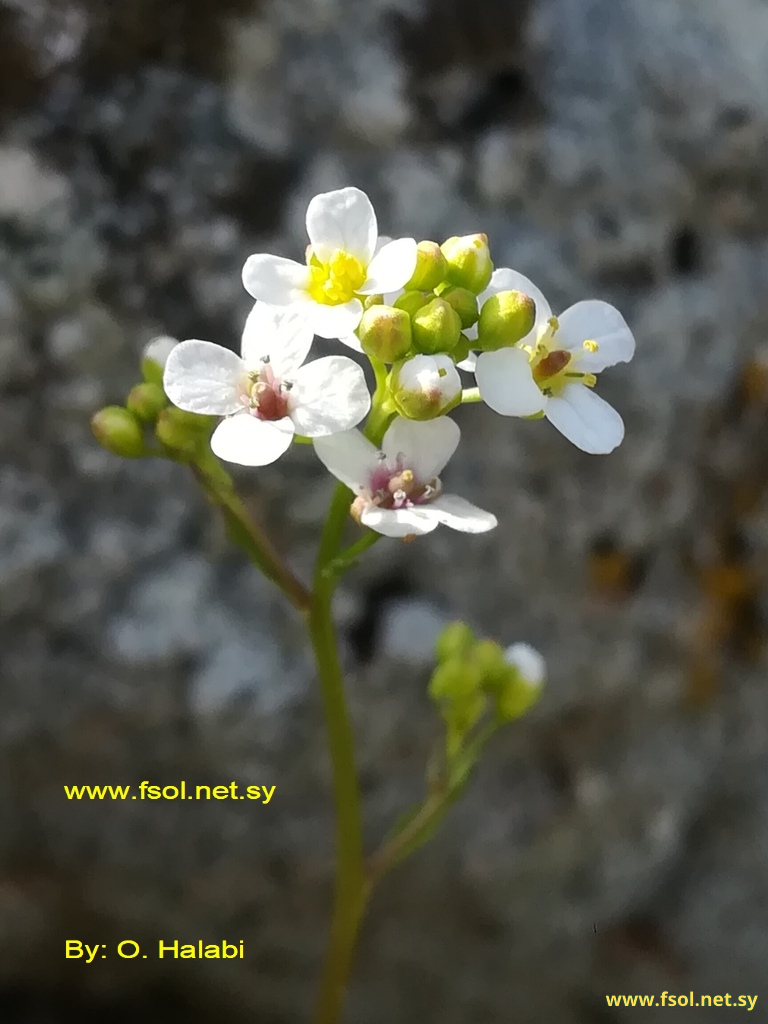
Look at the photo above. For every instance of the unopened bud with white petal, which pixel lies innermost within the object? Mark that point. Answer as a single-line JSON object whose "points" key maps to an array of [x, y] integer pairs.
{"points": [[431, 267], [425, 387], [154, 357], [504, 319], [119, 431], [385, 333], [524, 684], [436, 328], [469, 261]]}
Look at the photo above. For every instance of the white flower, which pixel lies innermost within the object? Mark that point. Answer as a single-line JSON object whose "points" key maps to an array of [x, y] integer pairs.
{"points": [[343, 263], [529, 663], [266, 395], [398, 490], [552, 370]]}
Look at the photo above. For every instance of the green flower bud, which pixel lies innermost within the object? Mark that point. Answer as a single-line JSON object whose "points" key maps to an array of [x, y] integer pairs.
{"points": [[436, 328], [465, 713], [431, 267], [372, 300], [455, 641], [489, 658], [453, 682], [146, 401], [504, 319], [462, 350], [385, 333], [469, 262], [464, 302], [183, 432], [119, 431], [413, 301], [524, 683], [424, 387], [154, 357]]}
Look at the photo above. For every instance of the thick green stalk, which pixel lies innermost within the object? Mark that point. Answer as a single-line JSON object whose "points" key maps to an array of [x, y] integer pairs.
{"points": [[351, 887]]}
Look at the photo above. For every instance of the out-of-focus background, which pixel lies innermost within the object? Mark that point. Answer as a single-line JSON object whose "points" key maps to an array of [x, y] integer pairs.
{"points": [[614, 841]]}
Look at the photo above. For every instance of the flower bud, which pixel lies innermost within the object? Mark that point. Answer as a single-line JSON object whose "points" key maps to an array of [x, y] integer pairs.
{"points": [[469, 262], [154, 356], [436, 328], [119, 431], [455, 641], [490, 660], [464, 302], [385, 333], [462, 349], [504, 319], [146, 401], [424, 387], [372, 300], [523, 686], [412, 301], [431, 267], [183, 432]]}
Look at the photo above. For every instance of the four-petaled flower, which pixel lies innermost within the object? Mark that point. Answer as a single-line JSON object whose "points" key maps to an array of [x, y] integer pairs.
{"points": [[344, 263], [398, 492], [552, 370], [266, 395]]}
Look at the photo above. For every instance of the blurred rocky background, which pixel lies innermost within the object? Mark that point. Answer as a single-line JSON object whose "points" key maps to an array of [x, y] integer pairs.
{"points": [[613, 842]]}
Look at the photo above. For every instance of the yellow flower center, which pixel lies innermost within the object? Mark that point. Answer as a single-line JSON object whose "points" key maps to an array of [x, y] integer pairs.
{"points": [[553, 367], [337, 281]]}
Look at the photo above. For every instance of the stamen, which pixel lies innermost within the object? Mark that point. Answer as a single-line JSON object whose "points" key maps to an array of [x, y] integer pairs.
{"points": [[287, 385], [265, 359], [591, 345], [381, 456]]}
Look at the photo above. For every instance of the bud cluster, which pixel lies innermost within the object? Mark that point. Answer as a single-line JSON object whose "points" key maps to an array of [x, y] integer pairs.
{"points": [[147, 424], [476, 676], [441, 301]]}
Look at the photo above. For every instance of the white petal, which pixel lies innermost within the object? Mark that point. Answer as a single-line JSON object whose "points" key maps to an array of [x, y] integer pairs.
{"points": [[506, 280], [586, 420], [391, 267], [276, 280], [430, 373], [506, 383], [329, 395], [597, 321], [284, 335], [349, 456], [204, 378], [426, 444], [469, 364], [334, 321], [352, 341], [528, 661], [158, 349], [459, 514], [344, 219], [401, 522], [249, 441]]}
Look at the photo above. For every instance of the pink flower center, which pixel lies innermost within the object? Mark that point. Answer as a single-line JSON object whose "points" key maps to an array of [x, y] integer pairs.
{"points": [[264, 395], [395, 487]]}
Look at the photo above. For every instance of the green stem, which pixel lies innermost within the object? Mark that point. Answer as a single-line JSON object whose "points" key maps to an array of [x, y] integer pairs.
{"points": [[339, 565], [352, 889], [470, 395], [220, 491]]}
